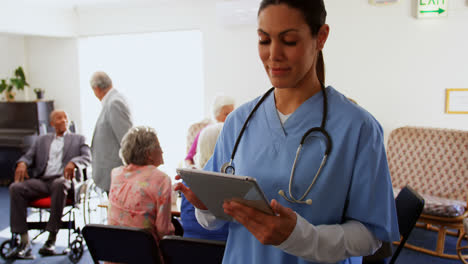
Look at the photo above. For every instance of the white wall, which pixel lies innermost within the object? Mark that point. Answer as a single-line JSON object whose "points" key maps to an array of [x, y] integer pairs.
{"points": [[49, 63], [36, 18], [53, 66], [394, 65], [11, 56]]}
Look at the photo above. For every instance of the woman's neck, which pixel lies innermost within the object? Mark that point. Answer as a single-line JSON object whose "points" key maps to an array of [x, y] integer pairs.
{"points": [[287, 100]]}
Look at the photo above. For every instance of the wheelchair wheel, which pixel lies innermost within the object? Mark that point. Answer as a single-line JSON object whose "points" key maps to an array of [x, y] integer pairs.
{"points": [[86, 204], [7, 246], [93, 213], [76, 250]]}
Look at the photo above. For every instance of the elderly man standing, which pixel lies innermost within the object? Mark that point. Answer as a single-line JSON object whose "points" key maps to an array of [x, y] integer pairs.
{"points": [[112, 124], [52, 159]]}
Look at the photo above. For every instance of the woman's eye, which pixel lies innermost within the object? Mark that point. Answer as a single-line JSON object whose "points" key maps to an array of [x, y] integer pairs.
{"points": [[263, 41], [290, 43]]}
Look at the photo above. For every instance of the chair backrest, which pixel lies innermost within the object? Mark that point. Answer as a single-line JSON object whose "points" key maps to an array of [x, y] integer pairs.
{"points": [[72, 127], [409, 205], [178, 229], [176, 249], [431, 160], [121, 244]]}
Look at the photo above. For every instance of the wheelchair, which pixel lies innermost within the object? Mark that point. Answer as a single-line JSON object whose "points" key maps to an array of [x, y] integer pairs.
{"points": [[78, 202], [94, 204]]}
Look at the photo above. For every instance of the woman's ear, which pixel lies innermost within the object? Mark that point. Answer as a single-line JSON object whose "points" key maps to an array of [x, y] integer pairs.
{"points": [[322, 36], [149, 158]]}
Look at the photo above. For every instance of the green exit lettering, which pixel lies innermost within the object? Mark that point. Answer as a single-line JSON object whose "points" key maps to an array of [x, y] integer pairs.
{"points": [[431, 2]]}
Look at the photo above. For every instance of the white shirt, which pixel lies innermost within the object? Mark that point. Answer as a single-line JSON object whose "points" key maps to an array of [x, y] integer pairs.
{"points": [[323, 243], [54, 164], [282, 117]]}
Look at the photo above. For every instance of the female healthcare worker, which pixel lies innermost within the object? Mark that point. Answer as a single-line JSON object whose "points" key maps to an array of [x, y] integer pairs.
{"points": [[333, 196]]}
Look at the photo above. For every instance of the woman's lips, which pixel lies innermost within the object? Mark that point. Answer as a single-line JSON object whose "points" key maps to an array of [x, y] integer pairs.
{"points": [[279, 71]]}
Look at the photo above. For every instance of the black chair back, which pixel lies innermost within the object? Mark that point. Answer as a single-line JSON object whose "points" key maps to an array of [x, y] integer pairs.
{"points": [[72, 127], [409, 206], [176, 249], [178, 229], [121, 244]]}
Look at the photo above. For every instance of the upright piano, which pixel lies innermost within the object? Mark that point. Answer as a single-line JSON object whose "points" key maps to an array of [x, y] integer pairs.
{"points": [[20, 124]]}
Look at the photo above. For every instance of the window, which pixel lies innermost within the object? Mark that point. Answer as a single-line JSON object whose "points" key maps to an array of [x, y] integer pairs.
{"points": [[161, 75]]}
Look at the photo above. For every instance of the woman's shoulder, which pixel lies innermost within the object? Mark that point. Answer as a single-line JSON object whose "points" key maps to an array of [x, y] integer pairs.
{"points": [[235, 120], [240, 113], [117, 170], [157, 174], [247, 107], [343, 105]]}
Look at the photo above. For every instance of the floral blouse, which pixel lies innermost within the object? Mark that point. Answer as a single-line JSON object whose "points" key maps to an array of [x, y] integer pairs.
{"points": [[140, 196]]}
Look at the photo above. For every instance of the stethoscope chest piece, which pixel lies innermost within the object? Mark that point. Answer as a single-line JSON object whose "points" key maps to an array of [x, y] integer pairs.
{"points": [[228, 168]]}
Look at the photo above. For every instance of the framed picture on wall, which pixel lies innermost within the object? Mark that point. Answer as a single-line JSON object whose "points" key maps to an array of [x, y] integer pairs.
{"points": [[456, 101]]}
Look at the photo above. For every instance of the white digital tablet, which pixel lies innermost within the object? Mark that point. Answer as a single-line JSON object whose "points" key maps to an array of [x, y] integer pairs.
{"points": [[213, 188]]}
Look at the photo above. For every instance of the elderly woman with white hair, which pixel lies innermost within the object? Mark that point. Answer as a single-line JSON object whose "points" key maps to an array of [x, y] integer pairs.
{"points": [[140, 194], [206, 144], [222, 107]]}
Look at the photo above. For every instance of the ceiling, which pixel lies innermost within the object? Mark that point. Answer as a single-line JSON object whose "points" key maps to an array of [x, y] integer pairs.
{"points": [[80, 3], [238, 4]]}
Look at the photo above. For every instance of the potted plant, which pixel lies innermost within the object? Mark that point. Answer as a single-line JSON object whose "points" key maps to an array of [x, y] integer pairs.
{"points": [[39, 93], [18, 81]]}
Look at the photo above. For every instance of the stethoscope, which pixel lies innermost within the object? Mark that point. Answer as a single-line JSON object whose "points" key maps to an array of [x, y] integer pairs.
{"points": [[229, 168]]}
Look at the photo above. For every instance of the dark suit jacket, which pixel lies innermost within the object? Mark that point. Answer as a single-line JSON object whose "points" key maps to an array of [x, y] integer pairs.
{"points": [[74, 149]]}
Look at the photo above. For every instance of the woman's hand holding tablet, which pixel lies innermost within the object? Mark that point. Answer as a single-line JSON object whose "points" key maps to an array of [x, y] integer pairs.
{"points": [[209, 190]]}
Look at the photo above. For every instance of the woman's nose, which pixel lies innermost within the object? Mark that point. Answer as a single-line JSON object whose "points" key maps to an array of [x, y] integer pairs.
{"points": [[276, 51]]}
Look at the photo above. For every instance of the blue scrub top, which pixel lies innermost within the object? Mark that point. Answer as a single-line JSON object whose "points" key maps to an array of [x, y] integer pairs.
{"points": [[354, 183], [193, 229]]}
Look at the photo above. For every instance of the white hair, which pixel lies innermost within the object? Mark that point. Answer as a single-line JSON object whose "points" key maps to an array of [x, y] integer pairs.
{"points": [[206, 144], [54, 112], [219, 102], [100, 80], [137, 144]]}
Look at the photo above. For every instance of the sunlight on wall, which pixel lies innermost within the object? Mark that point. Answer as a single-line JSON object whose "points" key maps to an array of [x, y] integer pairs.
{"points": [[161, 75]]}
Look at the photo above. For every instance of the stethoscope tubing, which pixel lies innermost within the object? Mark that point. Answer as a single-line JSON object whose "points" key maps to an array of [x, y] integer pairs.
{"points": [[247, 121], [229, 166]]}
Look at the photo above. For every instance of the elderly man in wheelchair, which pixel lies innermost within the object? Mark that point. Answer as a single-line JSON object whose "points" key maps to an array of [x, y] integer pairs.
{"points": [[55, 161]]}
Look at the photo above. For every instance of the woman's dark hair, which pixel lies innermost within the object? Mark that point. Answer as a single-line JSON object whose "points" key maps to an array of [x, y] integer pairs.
{"points": [[314, 15]]}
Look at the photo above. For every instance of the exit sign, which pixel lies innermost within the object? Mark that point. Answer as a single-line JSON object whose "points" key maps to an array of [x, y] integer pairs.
{"points": [[432, 8]]}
